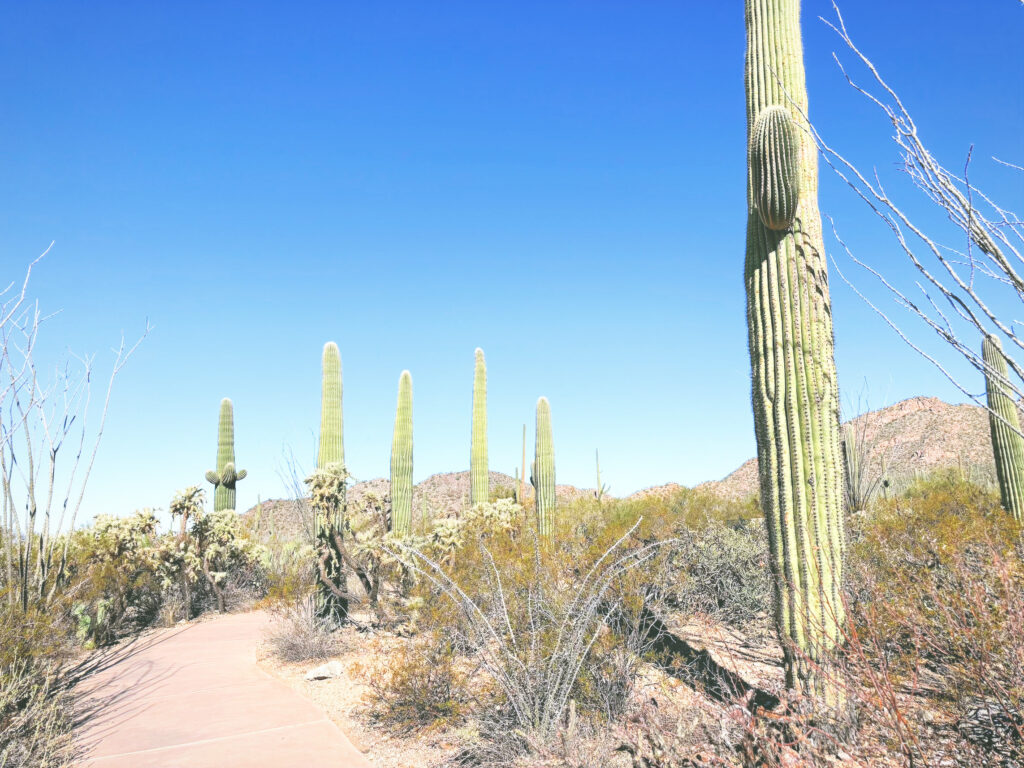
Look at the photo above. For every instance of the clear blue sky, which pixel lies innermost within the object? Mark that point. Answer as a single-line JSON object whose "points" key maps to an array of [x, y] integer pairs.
{"points": [[560, 183]]}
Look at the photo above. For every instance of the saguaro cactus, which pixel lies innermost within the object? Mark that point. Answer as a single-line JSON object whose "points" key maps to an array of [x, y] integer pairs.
{"points": [[479, 490], [225, 476], [328, 494], [542, 471], [332, 441], [401, 459], [794, 391], [1004, 424]]}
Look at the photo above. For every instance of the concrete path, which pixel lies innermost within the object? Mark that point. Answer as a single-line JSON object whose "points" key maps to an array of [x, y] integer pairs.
{"points": [[193, 697]]}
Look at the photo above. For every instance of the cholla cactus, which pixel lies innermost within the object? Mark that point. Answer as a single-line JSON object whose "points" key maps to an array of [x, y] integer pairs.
{"points": [[794, 392], [500, 517], [225, 476]]}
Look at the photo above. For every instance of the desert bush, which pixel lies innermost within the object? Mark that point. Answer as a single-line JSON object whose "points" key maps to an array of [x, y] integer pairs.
{"points": [[937, 610], [35, 716], [113, 565], [424, 688], [300, 635], [721, 571], [537, 623]]}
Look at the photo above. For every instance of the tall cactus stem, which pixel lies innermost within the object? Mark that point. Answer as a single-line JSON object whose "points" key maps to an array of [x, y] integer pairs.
{"points": [[794, 390], [543, 471], [331, 595], [1004, 424], [332, 441], [401, 459], [225, 477], [480, 490]]}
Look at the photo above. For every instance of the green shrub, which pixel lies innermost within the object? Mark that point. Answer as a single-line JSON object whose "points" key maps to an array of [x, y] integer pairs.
{"points": [[425, 688]]}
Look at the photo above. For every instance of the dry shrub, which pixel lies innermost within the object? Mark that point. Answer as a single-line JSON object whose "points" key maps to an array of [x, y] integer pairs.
{"points": [[35, 713], [300, 635], [35, 717], [424, 689], [537, 617], [936, 580]]}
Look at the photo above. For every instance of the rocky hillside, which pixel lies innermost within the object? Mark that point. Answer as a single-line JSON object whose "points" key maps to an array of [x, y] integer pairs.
{"points": [[916, 435], [440, 495]]}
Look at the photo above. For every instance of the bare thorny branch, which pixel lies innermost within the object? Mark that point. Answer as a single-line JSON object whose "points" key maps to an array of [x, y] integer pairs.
{"points": [[961, 290], [42, 492]]}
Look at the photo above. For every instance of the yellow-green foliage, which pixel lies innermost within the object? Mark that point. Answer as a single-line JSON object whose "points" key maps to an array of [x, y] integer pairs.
{"points": [[115, 564], [424, 689]]}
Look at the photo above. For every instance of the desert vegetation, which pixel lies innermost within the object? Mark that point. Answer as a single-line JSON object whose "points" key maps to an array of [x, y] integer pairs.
{"points": [[845, 612]]}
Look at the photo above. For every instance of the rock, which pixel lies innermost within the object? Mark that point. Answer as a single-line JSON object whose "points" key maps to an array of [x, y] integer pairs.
{"points": [[325, 671]]}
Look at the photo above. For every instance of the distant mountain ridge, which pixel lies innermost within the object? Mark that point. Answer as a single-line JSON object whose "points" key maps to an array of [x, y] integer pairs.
{"points": [[919, 434]]}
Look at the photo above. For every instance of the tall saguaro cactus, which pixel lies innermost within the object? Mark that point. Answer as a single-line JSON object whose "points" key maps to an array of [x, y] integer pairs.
{"points": [[794, 390], [332, 441], [401, 459], [479, 489], [328, 493], [543, 470], [1004, 424], [225, 476]]}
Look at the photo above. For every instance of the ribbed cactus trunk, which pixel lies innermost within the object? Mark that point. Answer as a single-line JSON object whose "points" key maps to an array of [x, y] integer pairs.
{"points": [[401, 459], [794, 390], [332, 442], [543, 471], [225, 476], [479, 489], [331, 593], [1004, 424]]}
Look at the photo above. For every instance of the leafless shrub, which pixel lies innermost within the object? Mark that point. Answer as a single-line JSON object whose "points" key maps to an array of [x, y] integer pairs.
{"points": [[300, 635]]}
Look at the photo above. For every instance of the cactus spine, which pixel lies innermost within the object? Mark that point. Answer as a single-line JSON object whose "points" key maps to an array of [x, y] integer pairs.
{"points": [[225, 476], [480, 490], [331, 601], [794, 391], [401, 459], [542, 472], [1004, 424]]}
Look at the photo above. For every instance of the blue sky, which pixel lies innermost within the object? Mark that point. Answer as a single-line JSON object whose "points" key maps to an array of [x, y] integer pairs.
{"points": [[560, 183]]}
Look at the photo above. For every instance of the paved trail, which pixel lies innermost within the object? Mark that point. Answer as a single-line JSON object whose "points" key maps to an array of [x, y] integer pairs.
{"points": [[193, 697]]}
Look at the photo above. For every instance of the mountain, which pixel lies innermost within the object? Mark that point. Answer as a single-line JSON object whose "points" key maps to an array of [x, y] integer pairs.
{"points": [[913, 436], [440, 495]]}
